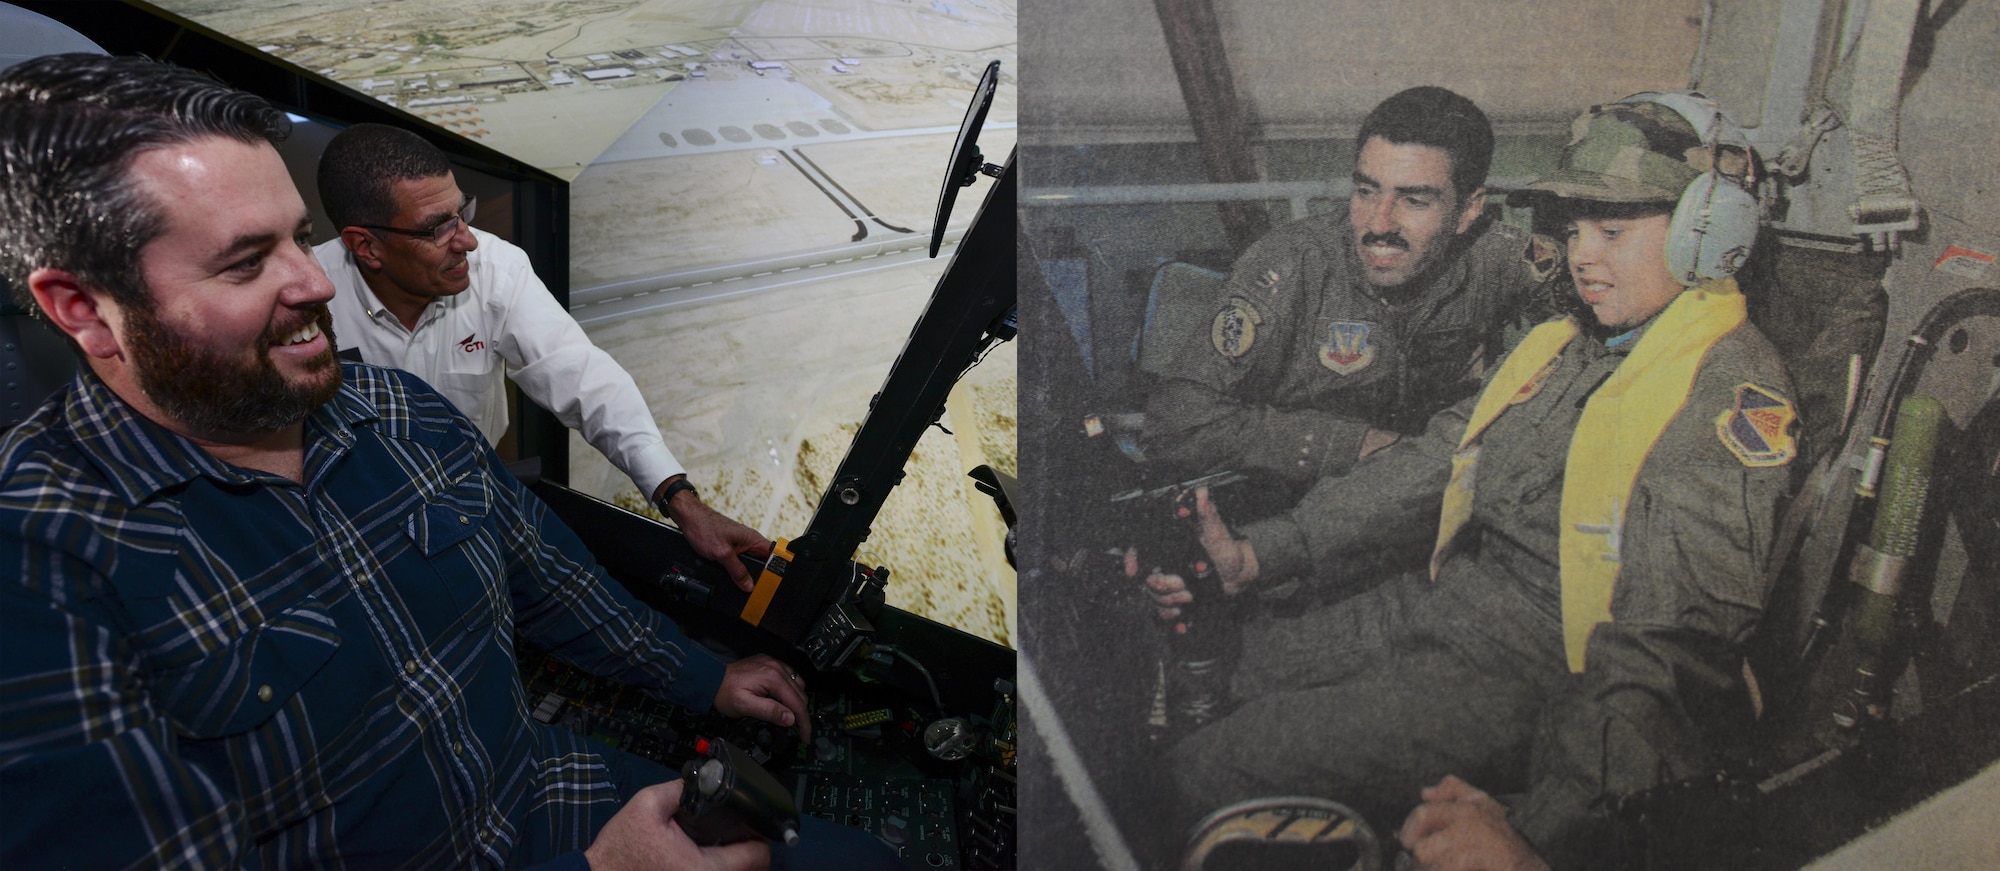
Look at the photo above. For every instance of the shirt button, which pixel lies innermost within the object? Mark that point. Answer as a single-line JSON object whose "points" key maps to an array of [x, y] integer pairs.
{"points": [[264, 693], [462, 519], [457, 749], [410, 667]]}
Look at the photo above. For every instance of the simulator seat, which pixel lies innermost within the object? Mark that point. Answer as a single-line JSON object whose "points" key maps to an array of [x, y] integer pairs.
{"points": [[34, 362]]}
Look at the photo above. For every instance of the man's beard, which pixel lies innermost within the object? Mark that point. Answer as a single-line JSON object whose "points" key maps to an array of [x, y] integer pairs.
{"points": [[214, 395]]}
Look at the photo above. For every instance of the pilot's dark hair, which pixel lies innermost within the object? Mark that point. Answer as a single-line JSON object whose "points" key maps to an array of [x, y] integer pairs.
{"points": [[70, 127], [360, 167], [1433, 116]]}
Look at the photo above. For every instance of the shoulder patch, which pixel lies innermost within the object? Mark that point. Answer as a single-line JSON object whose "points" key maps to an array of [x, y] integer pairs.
{"points": [[1544, 256], [1235, 328], [1349, 348], [1758, 429]]}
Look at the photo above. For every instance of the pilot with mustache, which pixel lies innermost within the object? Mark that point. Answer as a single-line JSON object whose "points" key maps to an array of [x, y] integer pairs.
{"points": [[421, 290], [1340, 332]]}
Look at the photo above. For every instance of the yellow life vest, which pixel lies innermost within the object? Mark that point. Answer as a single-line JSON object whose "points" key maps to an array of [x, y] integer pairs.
{"points": [[1619, 426]]}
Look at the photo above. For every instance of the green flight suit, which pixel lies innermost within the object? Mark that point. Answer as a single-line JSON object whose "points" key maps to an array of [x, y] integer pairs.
{"points": [[1302, 356], [1467, 675]]}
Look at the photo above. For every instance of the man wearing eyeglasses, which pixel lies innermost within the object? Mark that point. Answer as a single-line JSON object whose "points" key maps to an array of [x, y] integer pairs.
{"points": [[418, 288]]}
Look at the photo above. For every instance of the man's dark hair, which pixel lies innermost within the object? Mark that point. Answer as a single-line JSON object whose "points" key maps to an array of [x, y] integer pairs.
{"points": [[1433, 116], [361, 166], [70, 127]]}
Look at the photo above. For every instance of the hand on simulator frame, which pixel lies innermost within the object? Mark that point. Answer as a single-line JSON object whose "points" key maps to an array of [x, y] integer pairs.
{"points": [[1234, 559], [644, 835], [1459, 828], [716, 536], [764, 688]]}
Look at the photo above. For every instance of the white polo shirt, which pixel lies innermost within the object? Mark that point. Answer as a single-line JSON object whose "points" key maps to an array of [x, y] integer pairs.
{"points": [[506, 323]]}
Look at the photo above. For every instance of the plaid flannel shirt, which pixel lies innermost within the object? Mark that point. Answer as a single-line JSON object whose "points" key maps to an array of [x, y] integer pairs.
{"points": [[205, 666]]}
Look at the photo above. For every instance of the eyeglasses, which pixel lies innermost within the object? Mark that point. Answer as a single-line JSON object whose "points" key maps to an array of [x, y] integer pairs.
{"points": [[441, 233]]}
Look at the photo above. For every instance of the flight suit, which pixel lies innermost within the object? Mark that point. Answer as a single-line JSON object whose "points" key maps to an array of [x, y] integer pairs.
{"points": [[1302, 356], [1468, 674]]}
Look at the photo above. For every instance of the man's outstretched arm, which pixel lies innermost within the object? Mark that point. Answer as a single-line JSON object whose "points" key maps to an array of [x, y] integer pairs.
{"points": [[556, 365]]}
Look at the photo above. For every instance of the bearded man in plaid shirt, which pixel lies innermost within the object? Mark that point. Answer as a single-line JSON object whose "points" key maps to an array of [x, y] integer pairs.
{"points": [[258, 607]]}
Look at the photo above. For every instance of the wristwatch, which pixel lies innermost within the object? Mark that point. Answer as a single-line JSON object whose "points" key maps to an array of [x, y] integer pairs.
{"points": [[667, 495]]}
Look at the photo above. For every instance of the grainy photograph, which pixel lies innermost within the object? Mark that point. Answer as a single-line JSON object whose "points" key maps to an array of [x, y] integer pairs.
{"points": [[1509, 435]]}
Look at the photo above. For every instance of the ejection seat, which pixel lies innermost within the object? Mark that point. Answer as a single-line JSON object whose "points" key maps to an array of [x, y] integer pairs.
{"points": [[1181, 298]]}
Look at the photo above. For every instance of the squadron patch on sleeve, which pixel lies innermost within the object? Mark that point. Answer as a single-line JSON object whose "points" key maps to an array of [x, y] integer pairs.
{"points": [[1544, 256], [1235, 328], [1348, 348], [1758, 429]]}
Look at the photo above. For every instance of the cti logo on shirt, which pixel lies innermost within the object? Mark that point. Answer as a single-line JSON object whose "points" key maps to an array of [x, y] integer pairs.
{"points": [[468, 345]]}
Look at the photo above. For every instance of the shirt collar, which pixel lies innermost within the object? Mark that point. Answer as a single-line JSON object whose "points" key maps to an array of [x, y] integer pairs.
{"points": [[1597, 344], [141, 458], [372, 306]]}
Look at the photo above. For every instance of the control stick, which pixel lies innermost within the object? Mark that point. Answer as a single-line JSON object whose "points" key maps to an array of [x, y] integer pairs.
{"points": [[727, 797]]}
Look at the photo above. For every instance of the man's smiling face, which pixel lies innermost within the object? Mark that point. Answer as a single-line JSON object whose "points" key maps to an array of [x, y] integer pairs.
{"points": [[420, 268], [1404, 210], [236, 337]]}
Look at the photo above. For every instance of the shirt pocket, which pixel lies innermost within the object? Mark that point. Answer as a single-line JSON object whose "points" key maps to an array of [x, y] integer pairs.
{"points": [[452, 516], [235, 689], [468, 565]]}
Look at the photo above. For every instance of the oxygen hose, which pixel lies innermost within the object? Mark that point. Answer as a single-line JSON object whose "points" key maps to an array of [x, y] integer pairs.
{"points": [[1879, 565], [1920, 346]]}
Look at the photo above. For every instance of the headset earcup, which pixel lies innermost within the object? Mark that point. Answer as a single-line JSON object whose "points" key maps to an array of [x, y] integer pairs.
{"points": [[1712, 229]]}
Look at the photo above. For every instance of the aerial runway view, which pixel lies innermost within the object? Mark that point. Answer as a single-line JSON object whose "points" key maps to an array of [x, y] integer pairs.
{"points": [[751, 203]]}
